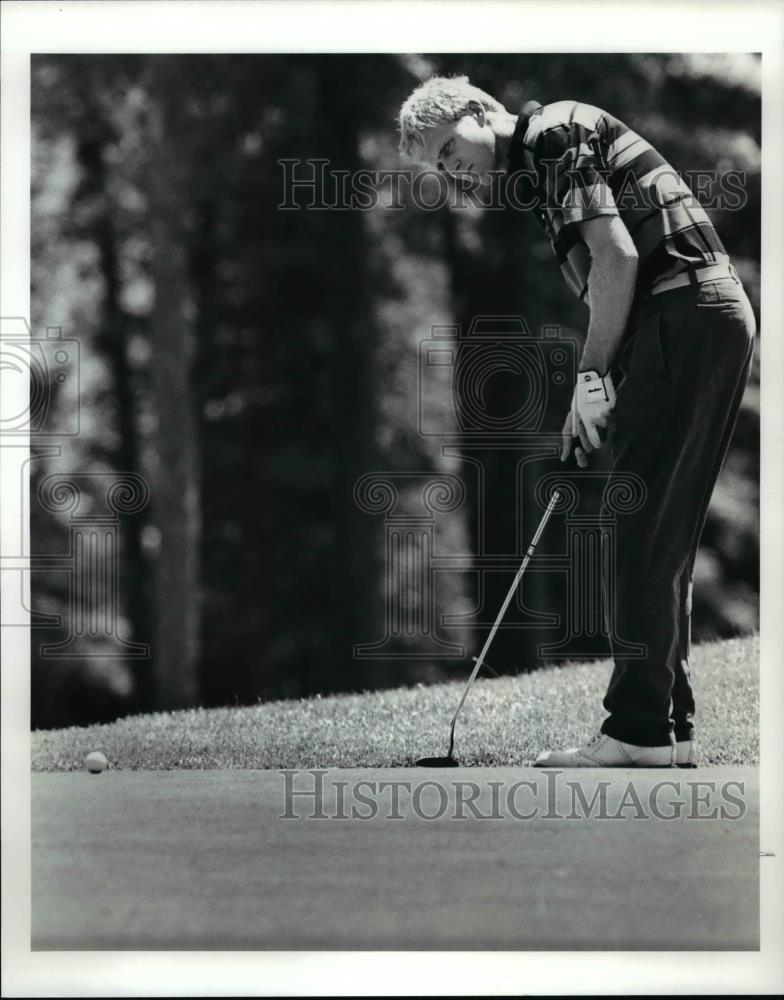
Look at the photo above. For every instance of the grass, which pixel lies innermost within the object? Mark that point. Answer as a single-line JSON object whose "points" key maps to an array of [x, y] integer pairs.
{"points": [[504, 721]]}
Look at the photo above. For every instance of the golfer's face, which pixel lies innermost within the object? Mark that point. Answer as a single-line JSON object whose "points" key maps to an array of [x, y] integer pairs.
{"points": [[464, 146]]}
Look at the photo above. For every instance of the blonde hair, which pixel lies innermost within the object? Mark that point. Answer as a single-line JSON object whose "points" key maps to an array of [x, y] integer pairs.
{"points": [[438, 101]]}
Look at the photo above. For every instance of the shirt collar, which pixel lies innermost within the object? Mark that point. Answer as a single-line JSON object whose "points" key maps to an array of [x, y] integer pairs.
{"points": [[515, 160]]}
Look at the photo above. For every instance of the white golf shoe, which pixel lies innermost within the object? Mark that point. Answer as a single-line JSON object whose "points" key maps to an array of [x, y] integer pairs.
{"points": [[604, 751]]}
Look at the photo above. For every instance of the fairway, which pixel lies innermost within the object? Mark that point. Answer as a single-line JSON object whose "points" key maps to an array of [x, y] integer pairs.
{"points": [[202, 860]]}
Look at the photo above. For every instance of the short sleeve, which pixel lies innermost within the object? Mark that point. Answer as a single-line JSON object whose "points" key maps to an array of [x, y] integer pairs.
{"points": [[573, 175]]}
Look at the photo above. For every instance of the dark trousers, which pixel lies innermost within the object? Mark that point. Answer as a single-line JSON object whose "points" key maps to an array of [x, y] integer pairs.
{"points": [[680, 379]]}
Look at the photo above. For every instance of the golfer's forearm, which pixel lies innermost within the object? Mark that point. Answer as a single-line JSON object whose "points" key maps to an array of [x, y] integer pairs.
{"points": [[610, 294]]}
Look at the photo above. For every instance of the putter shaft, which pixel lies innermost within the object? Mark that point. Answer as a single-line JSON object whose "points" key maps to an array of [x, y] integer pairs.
{"points": [[529, 552]]}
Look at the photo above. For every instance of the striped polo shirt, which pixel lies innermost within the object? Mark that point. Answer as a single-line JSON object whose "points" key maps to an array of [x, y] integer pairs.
{"points": [[587, 163]]}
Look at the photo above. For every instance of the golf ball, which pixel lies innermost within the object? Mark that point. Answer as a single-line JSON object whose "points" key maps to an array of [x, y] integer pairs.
{"points": [[95, 762]]}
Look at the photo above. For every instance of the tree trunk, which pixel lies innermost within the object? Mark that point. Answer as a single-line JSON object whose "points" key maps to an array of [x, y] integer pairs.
{"points": [[490, 285], [111, 341], [354, 571], [176, 490]]}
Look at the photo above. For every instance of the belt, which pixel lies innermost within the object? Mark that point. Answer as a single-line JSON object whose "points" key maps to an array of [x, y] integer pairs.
{"points": [[695, 276]]}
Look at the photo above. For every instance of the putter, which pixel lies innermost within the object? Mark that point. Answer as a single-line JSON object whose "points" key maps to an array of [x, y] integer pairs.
{"points": [[449, 760]]}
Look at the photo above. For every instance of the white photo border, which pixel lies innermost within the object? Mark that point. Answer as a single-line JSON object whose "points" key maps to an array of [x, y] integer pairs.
{"points": [[272, 26]]}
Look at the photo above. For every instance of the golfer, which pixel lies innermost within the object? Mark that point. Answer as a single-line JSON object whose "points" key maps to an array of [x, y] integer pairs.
{"points": [[666, 358]]}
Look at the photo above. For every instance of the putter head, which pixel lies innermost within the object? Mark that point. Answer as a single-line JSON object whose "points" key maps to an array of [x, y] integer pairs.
{"points": [[437, 762]]}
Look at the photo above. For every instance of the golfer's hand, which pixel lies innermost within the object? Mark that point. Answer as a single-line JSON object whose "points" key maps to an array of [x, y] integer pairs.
{"points": [[579, 442], [592, 403]]}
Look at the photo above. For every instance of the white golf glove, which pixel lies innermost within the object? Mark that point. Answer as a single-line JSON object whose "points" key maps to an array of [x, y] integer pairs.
{"points": [[593, 401]]}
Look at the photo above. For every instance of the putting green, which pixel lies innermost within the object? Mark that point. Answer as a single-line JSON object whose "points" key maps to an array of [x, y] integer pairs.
{"points": [[202, 859]]}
